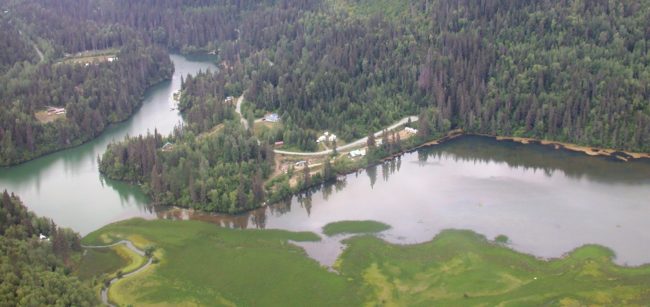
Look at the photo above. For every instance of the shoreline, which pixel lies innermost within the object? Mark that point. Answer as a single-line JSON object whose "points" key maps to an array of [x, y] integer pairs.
{"points": [[91, 139], [620, 156]]}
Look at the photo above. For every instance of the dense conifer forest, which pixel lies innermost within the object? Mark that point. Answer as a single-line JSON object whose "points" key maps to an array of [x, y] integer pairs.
{"points": [[89, 95], [574, 71], [36, 271]]}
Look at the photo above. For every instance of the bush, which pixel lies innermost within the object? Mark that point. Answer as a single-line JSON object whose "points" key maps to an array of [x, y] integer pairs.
{"points": [[503, 239]]}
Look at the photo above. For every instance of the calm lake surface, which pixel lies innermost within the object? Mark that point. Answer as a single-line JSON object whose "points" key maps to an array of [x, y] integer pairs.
{"points": [[67, 187], [548, 202]]}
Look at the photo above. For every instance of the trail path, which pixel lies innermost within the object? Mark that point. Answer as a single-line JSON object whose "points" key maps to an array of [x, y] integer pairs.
{"points": [[130, 246]]}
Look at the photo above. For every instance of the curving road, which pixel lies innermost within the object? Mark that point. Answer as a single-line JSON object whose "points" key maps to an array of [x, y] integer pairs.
{"points": [[356, 143], [130, 246]]}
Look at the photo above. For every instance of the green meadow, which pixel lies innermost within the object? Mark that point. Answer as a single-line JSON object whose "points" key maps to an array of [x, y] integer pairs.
{"points": [[202, 264], [354, 227]]}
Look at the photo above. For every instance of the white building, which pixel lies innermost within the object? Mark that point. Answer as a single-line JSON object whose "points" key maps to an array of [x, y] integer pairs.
{"points": [[357, 153], [411, 130], [332, 138]]}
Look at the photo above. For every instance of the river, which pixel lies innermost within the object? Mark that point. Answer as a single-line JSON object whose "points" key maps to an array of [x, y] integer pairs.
{"points": [[548, 202], [67, 187]]}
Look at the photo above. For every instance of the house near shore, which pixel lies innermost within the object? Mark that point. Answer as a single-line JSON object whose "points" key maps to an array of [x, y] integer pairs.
{"points": [[272, 118], [168, 147], [326, 137], [301, 164], [357, 153], [411, 130]]}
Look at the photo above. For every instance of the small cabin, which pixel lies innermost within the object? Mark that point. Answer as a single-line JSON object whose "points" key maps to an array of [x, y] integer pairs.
{"points": [[168, 147], [357, 153], [55, 111], [301, 164], [278, 143], [331, 138], [411, 130], [272, 118], [229, 99]]}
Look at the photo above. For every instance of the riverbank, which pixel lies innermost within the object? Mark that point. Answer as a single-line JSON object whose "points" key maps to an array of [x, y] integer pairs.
{"points": [[204, 264], [82, 141]]}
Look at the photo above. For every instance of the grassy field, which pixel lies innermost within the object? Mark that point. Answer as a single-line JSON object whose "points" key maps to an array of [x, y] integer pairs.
{"points": [[94, 56], [97, 262], [354, 227], [44, 117], [202, 264]]}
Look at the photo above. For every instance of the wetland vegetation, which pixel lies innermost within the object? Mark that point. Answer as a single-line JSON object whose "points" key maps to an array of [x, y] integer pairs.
{"points": [[456, 267]]}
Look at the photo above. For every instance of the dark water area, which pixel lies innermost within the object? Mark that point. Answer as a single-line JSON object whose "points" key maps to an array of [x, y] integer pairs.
{"points": [[67, 187], [548, 202]]}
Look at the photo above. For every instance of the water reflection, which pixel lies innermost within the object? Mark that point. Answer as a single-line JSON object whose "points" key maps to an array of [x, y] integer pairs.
{"points": [[541, 158], [547, 201], [66, 185]]}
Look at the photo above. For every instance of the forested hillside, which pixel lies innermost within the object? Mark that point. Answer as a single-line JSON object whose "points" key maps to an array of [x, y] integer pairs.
{"points": [[35, 271], [93, 97], [13, 46], [62, 100], [575, 71]]}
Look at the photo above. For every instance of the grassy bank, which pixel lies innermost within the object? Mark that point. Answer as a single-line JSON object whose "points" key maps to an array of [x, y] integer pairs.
{"points": [[354, 227], [202, 264]]}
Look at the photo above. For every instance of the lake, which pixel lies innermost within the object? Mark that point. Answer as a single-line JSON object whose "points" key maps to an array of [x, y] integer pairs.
{"points": [[67, 187], [548, 202]]}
